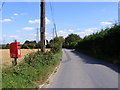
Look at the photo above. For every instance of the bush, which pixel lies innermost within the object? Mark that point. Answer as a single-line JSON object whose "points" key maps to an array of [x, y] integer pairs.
{"points": [[56, 44]]}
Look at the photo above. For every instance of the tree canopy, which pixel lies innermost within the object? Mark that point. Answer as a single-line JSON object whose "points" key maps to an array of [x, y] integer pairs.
{"points": [[71, 41]]}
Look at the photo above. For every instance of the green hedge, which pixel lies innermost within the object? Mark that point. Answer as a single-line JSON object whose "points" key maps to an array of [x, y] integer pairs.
{"points": [[104, 44]]}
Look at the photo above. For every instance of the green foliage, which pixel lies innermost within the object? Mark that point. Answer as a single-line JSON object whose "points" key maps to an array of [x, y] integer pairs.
{"points": [[29, 45], [56, 44], [33, 71], [103, 44], [71, 41], [6, 46], [27, 42]]}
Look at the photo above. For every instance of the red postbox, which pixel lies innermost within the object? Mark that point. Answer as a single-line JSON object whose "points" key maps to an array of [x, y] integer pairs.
{"points": [[15, 50]]}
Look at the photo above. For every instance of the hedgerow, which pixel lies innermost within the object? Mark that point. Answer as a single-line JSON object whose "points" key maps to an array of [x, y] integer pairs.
{"points": [[104, 44]]}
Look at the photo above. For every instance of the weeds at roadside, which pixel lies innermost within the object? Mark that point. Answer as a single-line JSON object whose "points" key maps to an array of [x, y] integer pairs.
{"points": [[33, 71]]}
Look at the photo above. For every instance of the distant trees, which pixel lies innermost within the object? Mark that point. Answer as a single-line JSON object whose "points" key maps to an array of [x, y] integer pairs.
{"points": [[26, 45], [6, 46], [29, 45], [71, 41]]}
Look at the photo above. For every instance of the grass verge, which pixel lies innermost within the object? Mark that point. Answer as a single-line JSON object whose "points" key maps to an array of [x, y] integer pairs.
{"points": [[32, 71]]}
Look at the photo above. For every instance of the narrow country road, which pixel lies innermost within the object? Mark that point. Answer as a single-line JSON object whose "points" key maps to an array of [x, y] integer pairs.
{"points": [[80, 71]]}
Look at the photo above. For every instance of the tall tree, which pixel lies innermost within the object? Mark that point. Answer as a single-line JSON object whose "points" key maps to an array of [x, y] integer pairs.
{"points": [[71, 41]]}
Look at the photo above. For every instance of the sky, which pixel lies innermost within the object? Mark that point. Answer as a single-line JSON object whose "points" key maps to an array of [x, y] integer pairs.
{"points": [[20, 20]]}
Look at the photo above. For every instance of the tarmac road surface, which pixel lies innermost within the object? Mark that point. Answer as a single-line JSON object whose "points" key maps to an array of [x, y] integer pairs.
{"points": [[81, 71]]}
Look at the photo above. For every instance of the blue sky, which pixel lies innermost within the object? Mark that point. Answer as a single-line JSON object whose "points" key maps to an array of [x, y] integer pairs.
{"points": [[20, 19]]}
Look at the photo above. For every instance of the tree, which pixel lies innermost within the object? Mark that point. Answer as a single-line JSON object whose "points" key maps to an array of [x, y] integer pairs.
{"points": [[6, 46], [56, 44], [29, 45], [71, 41]]}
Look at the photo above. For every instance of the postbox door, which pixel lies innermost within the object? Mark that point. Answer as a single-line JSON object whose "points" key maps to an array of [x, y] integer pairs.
{"points": [[18, 50], [12, 50], [15, 50]]}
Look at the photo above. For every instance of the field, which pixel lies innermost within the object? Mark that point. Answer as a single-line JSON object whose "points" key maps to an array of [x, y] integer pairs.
{"points": [[5, 59]]}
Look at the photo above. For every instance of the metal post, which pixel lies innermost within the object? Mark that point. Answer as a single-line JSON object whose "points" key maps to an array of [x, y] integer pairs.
{"points": [[15, 61]]}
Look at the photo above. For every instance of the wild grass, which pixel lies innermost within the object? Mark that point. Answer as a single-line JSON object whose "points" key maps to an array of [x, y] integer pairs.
{"points": [[32, 71]]}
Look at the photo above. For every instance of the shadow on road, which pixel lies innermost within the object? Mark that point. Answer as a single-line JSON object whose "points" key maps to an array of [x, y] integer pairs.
{"points": [[90, 60]]}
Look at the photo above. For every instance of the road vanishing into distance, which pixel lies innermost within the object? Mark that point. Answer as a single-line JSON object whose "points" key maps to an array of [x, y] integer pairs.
{"points": [[81, 71]]}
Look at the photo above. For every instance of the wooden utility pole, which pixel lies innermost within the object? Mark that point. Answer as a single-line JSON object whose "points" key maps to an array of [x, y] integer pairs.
{"points": [[119, 13], [42, 26]]}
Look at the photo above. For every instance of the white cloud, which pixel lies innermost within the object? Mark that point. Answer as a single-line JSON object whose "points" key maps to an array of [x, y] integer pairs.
{"points": [[6, 20], [34, 21], [16, 14], [106, 23], [70, 30], [47, 21], [13, 37], [87, 32], [19, 14], [61, 32], [49, 35], [28, 28], [65, 32]]}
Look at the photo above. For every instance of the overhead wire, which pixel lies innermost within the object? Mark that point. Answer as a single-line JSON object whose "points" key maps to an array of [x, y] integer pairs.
{"points": [[2, 5], [51, 8], [54, 24]]}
